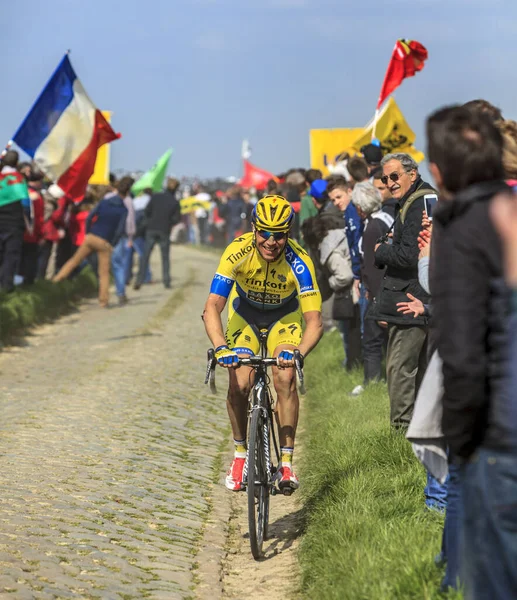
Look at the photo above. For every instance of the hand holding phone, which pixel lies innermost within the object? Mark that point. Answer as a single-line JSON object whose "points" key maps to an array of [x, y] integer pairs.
{"points": [[429, 202]]}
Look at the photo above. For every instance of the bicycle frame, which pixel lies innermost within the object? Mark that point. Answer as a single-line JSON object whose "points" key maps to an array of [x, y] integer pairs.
{"points": [[260, 399]]}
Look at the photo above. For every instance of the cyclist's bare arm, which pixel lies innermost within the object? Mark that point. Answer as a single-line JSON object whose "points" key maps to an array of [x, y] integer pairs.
{"points": [[212, 318], [313, 331]]}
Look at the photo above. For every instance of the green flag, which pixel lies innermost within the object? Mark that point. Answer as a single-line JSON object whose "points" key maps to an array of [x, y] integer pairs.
{"points": [[13, 188], [154, 177]]}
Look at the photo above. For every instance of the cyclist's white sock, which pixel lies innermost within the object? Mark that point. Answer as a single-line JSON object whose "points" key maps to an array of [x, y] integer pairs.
{"points": [[287, 456], [240, 448]]}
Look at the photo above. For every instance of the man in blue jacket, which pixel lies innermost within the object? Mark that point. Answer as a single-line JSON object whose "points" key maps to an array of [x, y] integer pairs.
{"points": [[105, 226], [340, 194]]}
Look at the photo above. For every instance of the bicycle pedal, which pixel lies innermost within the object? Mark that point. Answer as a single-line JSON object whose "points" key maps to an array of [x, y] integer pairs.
{"points": [[287, 491]]}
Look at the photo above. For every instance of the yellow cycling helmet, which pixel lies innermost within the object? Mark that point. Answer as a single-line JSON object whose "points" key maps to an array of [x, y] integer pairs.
{"points": [[273, 213]]}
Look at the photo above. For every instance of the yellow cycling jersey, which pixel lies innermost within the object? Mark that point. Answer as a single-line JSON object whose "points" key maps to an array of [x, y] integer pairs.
{"points": [[264, 285]]}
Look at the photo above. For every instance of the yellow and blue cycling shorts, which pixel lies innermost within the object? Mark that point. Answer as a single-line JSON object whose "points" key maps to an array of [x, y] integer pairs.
{"points": [[284, 325]]}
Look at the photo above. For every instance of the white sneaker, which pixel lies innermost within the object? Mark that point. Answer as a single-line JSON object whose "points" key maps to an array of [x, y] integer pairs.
{"points": [[357, 391]]}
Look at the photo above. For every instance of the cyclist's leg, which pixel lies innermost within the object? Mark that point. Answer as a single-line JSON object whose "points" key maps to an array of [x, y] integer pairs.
{"points": [[286, 334], [240, 336]]}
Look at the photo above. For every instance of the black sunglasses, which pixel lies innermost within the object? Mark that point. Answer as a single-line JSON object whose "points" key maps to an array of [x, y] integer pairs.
{"points": [[393, 176]]}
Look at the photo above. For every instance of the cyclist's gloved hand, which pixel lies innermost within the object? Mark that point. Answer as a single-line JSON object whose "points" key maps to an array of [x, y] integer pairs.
{"points": [[286, 359], [226, 357]]}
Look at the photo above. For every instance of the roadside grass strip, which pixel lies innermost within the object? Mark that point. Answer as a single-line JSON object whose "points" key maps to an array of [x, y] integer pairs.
{"points": [[42, 302], [367, 531]]}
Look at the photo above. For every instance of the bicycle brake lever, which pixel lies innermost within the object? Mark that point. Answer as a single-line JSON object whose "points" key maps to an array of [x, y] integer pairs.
{"points": [[210, 370], [298, 363]]}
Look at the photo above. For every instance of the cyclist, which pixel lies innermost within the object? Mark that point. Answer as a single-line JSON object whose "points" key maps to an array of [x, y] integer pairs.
{"points": [[270, 283]]}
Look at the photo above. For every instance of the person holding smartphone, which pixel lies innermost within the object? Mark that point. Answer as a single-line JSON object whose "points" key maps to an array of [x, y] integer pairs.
{"points": [[407, 336]]}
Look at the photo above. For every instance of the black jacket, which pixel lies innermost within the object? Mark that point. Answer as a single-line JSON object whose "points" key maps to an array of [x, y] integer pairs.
{"points": [[401, 261], [11, 217], [471, 309], [372, 275], [162, 212]]}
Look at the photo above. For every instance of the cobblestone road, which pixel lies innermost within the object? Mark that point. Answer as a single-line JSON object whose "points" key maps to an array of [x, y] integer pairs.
{"points": [[109, 444]]}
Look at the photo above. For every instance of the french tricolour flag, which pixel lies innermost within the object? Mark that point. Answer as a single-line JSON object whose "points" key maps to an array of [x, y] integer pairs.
{"points": [[64, 130]]}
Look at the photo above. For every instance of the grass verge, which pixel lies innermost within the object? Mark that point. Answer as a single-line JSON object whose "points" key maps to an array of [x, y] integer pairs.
{"points": [[367, 532], [41, 302]]}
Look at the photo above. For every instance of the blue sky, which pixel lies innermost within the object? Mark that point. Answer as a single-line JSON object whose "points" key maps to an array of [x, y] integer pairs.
{"points": [[201, 75]]}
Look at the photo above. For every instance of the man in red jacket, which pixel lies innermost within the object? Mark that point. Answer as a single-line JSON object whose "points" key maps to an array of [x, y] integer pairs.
{"points": [[33, 234]]}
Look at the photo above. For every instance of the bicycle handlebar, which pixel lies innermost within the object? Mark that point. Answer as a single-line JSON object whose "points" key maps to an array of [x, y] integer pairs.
{"points": [[255, 362]]}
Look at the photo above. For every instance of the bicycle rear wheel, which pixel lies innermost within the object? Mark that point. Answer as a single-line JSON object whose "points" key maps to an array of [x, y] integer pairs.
{"points": [[258, 481]]}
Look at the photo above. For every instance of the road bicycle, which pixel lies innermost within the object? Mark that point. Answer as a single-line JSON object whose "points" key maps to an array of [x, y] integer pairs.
{"points": [[259, 470]]}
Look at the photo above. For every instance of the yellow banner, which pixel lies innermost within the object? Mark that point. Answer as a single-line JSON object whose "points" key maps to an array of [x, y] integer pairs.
{"points": [[191, 204], [392, 130], [101, 173], [327, 144]]}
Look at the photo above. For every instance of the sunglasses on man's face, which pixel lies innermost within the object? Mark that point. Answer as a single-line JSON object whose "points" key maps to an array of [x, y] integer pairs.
{"points": [[278, 236], [393, 176]]}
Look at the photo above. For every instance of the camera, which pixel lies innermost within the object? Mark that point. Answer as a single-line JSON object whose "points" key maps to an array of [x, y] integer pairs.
{"points": [[384, 239]]}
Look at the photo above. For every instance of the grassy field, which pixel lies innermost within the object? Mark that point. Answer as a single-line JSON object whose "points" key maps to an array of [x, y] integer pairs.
{"points": [[368, 535]]}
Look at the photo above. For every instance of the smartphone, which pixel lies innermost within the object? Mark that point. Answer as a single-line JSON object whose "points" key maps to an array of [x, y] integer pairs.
{"points": [[429, 201]]}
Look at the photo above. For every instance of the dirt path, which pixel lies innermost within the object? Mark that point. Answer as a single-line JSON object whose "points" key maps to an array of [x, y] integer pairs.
{"points": [[238, 576], [274, 577]]}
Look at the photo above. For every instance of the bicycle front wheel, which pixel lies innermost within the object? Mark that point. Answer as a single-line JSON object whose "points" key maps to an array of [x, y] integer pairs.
{"points": [[258, 481]]}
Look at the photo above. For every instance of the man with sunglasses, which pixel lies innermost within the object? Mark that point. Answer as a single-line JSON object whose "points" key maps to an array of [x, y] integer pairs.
{"points": [[271, 284], [407, 335]]}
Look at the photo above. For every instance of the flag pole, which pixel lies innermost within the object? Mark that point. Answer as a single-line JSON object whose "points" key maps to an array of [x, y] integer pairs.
{"points": [[375, 119], [6, 149]]}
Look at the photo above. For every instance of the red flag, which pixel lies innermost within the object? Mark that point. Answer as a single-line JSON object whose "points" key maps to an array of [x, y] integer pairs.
{"points": [[408, 57], [255, 177]]}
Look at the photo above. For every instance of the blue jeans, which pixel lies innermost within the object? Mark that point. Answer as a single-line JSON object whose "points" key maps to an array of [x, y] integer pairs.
{"points": [[489, 486], [162, 239], [118, 263], [452, 530], [138, 247], [435, 494]]}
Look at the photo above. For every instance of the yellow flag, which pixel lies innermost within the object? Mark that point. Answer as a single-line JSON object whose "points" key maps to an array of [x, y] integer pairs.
{"points": [[101, 173], [192, 203], [327, 144], [393, 131]]}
